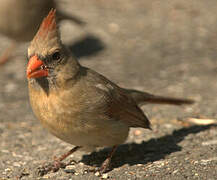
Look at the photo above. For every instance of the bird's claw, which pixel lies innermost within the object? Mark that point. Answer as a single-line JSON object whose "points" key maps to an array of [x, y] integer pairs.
{"points": [[100, 170], [54, 167]]}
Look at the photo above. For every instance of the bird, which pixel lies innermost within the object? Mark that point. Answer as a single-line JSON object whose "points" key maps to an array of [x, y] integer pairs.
{"points": [[77, 104], [20, 20]]}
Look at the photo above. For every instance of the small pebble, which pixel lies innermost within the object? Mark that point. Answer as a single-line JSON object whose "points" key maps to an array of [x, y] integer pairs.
{"points": [[195, 162], [70, 167], [81, 163], [105, 176], [201, 121], [72, 171], [4, 151], [49, 176], [16, 164], [7, 169], [169, 126], [97, 174], [207, 143], [174, 172], [137, 132], [76, 173], [140, 165], [206, 161]]}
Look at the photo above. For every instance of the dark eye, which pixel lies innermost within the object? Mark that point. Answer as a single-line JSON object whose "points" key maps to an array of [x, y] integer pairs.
{"points": [[56, 55]]}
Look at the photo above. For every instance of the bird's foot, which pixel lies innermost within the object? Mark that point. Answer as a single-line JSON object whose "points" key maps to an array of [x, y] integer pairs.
{"points": [[54, 167], [57, 163], [99, 170]]}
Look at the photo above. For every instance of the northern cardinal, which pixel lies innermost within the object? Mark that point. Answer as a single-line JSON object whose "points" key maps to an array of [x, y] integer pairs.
{"points": [[77, 104], [20, 20]]}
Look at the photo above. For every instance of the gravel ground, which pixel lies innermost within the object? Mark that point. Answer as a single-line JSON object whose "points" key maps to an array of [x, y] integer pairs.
{"points": [[164, 47]]}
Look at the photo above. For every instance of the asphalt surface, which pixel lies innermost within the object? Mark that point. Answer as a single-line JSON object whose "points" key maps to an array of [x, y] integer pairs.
{"points": [[164, 47]]}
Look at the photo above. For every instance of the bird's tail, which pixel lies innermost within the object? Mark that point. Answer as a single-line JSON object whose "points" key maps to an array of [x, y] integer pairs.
{"points": [[142, 98]]}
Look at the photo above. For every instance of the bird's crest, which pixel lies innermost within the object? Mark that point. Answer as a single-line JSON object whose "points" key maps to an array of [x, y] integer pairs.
{"points": [[47, 36], [47, 25]]}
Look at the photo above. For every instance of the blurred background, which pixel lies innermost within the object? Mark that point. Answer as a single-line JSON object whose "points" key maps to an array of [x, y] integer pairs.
{"points": [[164, 47]]}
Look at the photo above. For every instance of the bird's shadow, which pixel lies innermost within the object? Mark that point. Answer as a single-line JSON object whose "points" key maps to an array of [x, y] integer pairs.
{"points": [[87, 46], [150, 151]]}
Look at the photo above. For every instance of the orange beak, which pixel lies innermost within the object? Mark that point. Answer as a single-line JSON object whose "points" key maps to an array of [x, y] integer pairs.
{"points": [[36, 68]]}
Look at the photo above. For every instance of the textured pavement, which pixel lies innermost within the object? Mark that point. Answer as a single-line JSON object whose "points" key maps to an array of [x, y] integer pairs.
{"points": [[163, 47]]}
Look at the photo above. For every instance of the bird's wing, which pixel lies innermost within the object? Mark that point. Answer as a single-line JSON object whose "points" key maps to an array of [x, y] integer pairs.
{"points": [[122, 107]]}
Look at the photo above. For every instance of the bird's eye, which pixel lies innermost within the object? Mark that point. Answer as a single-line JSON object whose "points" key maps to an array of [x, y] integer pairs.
{"points": [[56, 56]]}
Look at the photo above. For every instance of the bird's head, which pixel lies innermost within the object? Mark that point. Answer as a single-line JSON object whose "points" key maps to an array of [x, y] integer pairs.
{"points": [[46, 53]]}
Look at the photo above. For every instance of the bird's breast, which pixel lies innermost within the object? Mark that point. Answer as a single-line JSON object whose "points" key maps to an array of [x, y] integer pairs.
{"points": [[53, 111], [68, 117]]}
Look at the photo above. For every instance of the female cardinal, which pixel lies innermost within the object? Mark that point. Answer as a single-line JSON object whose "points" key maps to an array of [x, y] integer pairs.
{"points": [[20, 20], [77, 104]]}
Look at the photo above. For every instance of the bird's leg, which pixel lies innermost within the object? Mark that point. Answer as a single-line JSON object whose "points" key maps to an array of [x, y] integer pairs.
{"points": [[106, 163], [7, 54], [57, 164], [58, 161], [64, 156]]}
